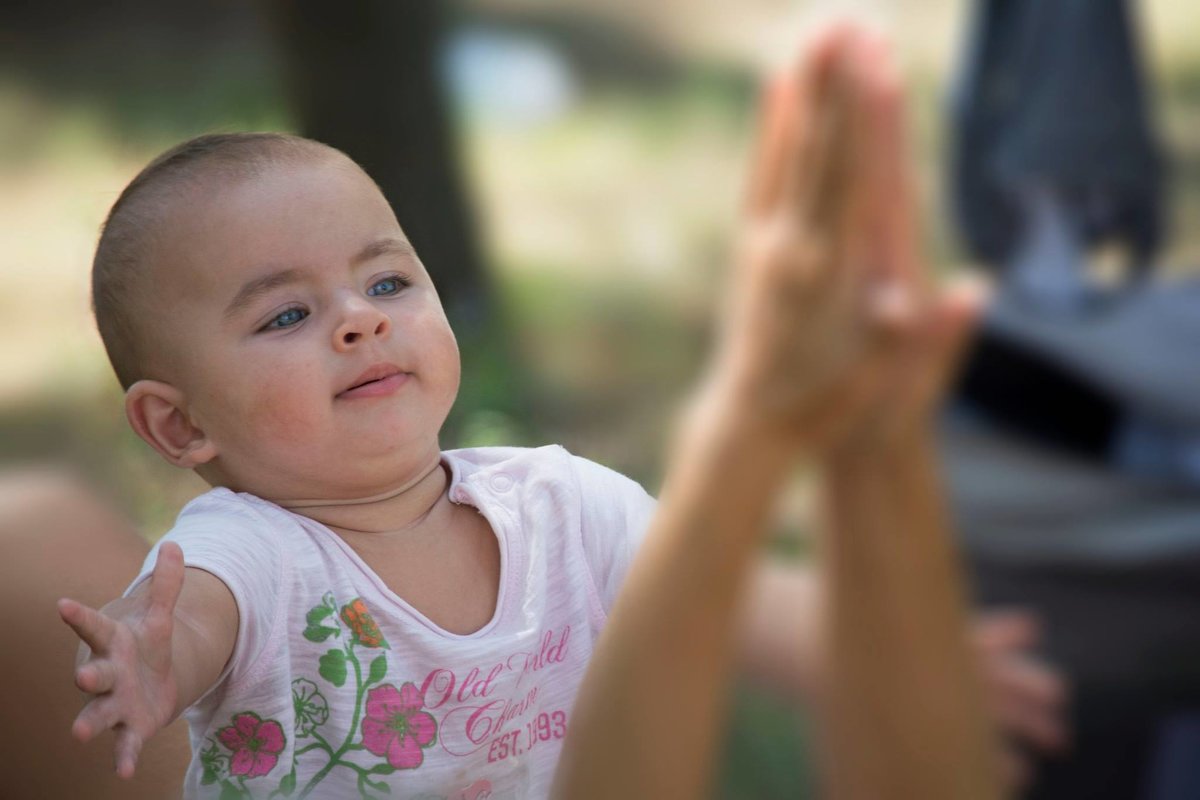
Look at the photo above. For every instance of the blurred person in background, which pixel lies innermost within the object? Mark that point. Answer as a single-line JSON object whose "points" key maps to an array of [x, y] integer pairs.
{"points": [[1053, 151], [1073, 449]]}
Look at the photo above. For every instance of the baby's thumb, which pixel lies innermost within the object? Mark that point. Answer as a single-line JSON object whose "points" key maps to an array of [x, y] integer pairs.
{"points": [[167, 579]]}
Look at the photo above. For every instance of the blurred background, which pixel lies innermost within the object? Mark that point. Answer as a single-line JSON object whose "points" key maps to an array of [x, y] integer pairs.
{"points": [[569, 172]]}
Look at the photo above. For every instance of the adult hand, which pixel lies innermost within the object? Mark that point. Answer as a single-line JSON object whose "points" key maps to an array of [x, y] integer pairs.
{"points": [[828, 306], [1027, 696]]}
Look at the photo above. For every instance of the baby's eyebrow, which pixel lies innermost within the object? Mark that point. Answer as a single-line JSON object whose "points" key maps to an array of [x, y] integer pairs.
{"points": [[255, 288], [384, 246]]}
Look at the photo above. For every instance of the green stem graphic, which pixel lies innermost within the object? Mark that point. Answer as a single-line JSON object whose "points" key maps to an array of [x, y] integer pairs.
{"points": [[313, 746], [321, 740], [358, 696], [336, 758]]}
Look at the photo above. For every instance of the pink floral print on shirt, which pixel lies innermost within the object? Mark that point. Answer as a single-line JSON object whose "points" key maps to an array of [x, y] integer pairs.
{"points": [[396, 726], [255, 743], [249, 747], [394, 723]]}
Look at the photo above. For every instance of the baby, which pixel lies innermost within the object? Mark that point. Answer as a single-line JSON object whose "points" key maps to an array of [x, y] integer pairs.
{"points": [[356, 603], [360, 612]]}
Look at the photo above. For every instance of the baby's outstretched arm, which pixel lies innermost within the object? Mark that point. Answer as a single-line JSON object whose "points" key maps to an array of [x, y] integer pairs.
{"points": [[150, 655]]}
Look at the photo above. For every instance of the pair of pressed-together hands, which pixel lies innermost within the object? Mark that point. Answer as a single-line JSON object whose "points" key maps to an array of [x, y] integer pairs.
{"points": [[835, 346]]}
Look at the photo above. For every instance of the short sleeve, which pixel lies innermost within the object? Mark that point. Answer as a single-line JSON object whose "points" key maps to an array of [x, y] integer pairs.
{"points": [[616, 512], [225, 536]]}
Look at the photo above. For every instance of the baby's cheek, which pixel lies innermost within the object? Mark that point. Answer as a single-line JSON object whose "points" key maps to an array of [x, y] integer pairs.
{"points": [[282, 422], [283, 410], [443, 348]]}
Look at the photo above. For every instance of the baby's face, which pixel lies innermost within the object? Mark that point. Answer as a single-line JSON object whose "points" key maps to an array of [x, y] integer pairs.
{"points": [[306, 335]]}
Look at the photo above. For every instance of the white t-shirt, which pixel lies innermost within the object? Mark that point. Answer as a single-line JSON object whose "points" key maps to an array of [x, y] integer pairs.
{"points": [[337, 685]]}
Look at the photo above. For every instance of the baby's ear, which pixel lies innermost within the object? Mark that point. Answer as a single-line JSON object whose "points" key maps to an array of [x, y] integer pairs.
{"points": [[158, 413]]}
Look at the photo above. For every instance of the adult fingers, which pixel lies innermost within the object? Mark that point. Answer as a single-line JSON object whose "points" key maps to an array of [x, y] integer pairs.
{"points": [[95, 629], [853, 215], [957, 309], [1028, 700], [775, 130], [1007, 630], [1015, 769], [894, 204], [785, 113], [1028, 681], [820, 161], [946, 326], [1034, 726], [129, 746]]}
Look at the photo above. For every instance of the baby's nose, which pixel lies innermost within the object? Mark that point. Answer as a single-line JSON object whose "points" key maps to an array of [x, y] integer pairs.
{"points": [[350, 337], [364, 321]]}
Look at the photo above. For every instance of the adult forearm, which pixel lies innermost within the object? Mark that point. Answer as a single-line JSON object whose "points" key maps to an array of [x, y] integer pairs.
{"points": [[651, 713], [905, 707]]}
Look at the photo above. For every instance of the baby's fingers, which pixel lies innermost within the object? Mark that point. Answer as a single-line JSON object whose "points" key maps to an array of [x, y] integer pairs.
{"points": [[97, 716], [96, 677], [95, 629], [129, 747]]}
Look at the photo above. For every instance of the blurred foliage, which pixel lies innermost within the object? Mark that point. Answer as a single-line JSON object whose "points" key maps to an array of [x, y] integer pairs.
{"points": [[763, 750]]}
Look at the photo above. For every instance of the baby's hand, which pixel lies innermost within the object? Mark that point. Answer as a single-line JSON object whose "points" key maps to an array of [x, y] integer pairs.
{"points": [[128, 674]]}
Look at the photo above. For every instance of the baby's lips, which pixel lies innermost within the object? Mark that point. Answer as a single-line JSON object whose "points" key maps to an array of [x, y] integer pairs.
{"points": [[380, 387], [372, 373]]}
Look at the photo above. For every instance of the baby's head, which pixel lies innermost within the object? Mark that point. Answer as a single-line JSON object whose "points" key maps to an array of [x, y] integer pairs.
{"points": [[244, 286]]}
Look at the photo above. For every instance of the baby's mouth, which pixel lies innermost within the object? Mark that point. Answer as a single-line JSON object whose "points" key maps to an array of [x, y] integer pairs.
{"points": [[378, 379]]}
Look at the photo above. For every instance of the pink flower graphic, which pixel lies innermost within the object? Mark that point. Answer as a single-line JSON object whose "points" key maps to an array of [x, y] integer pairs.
{"points": [[396, 727], [256, 744]]}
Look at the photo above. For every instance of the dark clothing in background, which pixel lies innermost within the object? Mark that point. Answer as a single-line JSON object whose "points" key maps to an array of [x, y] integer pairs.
{"points": [[1051, 93], [1053, 153]]}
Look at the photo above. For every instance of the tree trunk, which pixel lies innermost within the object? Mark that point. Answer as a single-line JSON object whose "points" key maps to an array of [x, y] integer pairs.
{"points": [[364, 77]]}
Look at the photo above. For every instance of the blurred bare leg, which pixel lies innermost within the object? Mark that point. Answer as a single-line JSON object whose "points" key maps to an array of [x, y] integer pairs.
{"points": [[57, 538]]}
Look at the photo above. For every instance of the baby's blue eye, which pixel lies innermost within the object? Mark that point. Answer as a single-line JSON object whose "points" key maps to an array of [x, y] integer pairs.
{"points": [[387, 286], [286, 319]]}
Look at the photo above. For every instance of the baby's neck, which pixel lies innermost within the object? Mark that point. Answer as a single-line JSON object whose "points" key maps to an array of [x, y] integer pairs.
{"points": [[404, 508]]}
